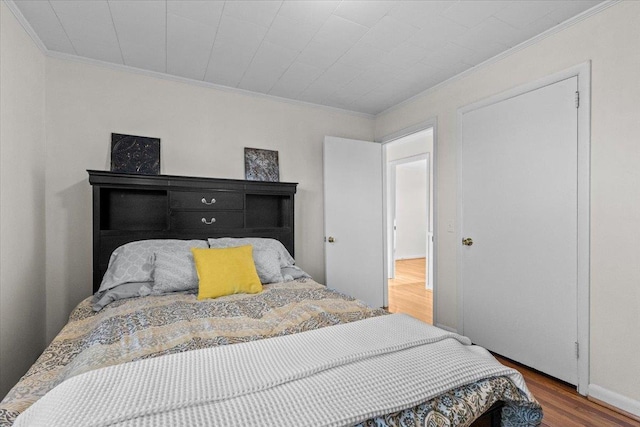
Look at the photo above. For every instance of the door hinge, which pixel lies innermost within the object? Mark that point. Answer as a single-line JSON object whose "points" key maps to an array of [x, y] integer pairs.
{"points": [[577, 99], [577, 350]]}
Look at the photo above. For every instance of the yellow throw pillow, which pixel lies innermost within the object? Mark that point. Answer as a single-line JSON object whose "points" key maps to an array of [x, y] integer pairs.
{"points": [[226, 271]]}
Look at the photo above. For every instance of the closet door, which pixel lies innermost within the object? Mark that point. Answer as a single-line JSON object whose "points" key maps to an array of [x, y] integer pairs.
{"points": [[518, 271]]}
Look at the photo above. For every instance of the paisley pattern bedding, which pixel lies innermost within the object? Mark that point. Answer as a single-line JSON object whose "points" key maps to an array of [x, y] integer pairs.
{"points": [[151, 326]]}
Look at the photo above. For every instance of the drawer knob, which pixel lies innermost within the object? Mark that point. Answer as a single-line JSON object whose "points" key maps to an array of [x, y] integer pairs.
{"points": [[204, 220], [208, 203]]}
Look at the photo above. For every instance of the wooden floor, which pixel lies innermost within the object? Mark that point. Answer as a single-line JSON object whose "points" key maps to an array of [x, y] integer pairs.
{"points": [[407, 293], [562, 406], [561, 403]]}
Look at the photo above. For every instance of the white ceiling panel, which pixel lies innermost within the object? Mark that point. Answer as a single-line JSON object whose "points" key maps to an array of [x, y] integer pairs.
{"points": [[525, 12], [295, 80], [205, 12], [340, 31], [472, 12], [491, 30], [318, 93], [419, 13], [271, 55], [83, 20], [405, 55], [363, 13], [189, 46], [260, 12], [268, 65], [140, 56], [440, 30], [302, 72], [260, 80], [389, 33], [140, 22], [484, 52], [339, 74], [311, 12], [90, 29], [228, 63], [322, 54], [239, 32], [141, 29], [419, 73], [42, 17], [288, 32], [361, 55]]}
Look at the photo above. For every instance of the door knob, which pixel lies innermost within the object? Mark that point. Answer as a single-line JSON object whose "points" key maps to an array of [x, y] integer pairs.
{"points": [[467, 241], [331, 239]]}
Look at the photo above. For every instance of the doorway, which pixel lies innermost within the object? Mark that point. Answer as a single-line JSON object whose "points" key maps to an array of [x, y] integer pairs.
{"points": [[409, 224]]}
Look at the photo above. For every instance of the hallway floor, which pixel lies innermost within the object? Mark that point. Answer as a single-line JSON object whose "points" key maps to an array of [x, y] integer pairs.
{"points": [[407, 293]]}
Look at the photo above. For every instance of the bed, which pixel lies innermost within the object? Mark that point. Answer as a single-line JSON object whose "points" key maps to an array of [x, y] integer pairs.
{"points": [[295, 353]]}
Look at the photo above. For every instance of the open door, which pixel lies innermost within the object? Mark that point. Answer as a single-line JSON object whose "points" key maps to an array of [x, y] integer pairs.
{"points": [[353, 219]]}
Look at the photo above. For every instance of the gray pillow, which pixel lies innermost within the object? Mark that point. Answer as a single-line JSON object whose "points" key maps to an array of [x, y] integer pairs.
{"points": [[174, 271], [258, 243], [133, 262], [267, 265], [127, 290]]}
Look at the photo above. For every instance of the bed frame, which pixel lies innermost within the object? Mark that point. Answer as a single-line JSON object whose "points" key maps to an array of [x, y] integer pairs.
{"points": [[128, 208]]}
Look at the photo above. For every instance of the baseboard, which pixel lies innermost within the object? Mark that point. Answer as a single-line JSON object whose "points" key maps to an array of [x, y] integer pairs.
{"points": [[406, 257], [614, 401]]}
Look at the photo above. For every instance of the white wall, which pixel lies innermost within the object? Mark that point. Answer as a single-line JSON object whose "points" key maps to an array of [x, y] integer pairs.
{"points": [[203, 132], [22, 219], [411, 209], [610, 40]]}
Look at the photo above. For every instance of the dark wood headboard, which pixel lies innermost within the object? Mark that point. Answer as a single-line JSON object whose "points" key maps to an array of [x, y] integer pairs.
{"points": [[128, 208]]}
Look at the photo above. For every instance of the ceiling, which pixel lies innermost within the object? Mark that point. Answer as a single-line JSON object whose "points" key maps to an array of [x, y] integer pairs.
{"points": [[364, 56]]}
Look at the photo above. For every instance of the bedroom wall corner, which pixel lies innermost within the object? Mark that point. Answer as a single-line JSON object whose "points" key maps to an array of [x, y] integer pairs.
{"points": [[22, 186]]}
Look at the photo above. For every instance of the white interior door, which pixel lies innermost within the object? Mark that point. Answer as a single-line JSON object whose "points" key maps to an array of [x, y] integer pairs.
{"points": [[353, 218], [519, 205]]}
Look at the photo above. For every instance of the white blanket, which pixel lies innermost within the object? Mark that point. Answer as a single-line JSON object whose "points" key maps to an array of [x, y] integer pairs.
{"points": [[332, 376]]}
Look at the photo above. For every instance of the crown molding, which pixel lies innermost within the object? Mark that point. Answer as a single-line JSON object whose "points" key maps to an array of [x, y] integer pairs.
{"points": [[533, 40], [164, 76], [204, 84]]}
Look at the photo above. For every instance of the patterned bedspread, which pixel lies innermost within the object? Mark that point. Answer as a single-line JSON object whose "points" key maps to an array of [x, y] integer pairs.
{"points": [[156, 325]]}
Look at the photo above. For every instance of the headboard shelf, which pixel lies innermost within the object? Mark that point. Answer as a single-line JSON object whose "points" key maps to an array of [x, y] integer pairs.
{"points": [[129, 207]]}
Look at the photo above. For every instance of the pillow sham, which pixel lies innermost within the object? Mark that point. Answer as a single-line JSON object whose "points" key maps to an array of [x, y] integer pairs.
{"points": [[124, 291], [258, 243], [226, 271], [267, 265], [174, 271], [133, 262]]}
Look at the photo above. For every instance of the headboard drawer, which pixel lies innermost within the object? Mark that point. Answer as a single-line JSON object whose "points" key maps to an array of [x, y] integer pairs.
{"points": [[195, 220], [206, 200]]}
